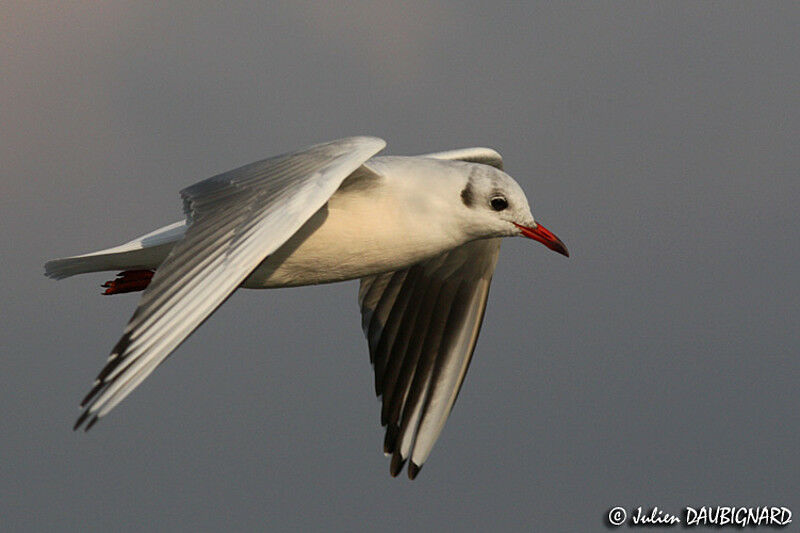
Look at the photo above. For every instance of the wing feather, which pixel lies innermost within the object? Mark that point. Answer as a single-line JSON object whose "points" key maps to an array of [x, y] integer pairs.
{"points": [[422, 325], [485, 156], [236, 220]]}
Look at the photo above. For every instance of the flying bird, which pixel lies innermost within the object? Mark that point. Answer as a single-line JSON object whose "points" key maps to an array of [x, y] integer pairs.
{"points": [[421, 233]]}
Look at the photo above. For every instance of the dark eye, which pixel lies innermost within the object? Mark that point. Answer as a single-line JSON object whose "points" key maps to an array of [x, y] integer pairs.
{"points": [[499, 203]]}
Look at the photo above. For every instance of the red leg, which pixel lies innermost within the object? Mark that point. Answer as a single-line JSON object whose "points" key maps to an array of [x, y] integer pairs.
{"points": [[129, 281]]}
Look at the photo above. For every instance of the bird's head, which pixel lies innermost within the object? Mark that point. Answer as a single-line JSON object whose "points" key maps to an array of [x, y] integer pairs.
{"points": [[500, 208]]}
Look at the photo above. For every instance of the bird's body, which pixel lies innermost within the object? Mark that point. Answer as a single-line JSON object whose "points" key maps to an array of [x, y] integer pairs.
{"points": [[377, 221], [373, 223], [420, 232]]}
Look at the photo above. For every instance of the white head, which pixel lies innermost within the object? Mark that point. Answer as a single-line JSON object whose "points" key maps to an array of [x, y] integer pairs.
{"points": [[498, 208]]}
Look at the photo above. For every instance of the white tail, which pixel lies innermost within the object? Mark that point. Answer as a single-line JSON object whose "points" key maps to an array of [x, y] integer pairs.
{"points": [[145, 252]]}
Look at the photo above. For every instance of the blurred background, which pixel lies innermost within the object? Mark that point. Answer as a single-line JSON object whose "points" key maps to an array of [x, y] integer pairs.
{"points": [[656, 366]]}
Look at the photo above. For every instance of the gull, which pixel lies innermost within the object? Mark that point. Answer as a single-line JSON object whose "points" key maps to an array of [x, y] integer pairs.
{"points": [[421, 233]]}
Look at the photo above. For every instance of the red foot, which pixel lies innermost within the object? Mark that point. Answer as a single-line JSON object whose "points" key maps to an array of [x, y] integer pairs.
{"points": [[129, 281]]}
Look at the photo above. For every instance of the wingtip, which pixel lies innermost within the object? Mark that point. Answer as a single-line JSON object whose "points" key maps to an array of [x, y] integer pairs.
{"points": [[397, 464], [87, 414], [50, 270], [390, 440], [83, 418], [94, 390], [80, 420], [413, 470], [92, 422]]}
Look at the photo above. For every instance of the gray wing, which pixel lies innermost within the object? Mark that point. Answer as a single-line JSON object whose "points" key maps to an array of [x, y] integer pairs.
{"points": [[422, 325], [236, 220]]}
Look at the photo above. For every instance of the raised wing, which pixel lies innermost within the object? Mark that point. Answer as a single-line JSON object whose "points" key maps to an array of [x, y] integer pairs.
{"points": [[422, 325], [236, 220]]}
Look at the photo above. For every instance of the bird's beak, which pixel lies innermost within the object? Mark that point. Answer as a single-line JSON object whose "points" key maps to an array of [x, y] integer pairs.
{"points": [[544, 236]]}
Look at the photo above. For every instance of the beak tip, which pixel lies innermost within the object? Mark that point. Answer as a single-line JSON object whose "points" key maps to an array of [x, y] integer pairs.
{"points": [[560, 248], [544, 236]]}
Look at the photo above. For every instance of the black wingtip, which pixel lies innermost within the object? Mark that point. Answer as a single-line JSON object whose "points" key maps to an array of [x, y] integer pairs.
{"points": [[114, 359], [413, 470], [92, 422], [378, 380], [390, 441], [91, 394], [397, 464], [81, 419]]}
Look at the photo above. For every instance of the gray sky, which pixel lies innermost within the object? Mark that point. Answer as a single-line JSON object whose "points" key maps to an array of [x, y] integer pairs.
{"points": [[656, 366]]}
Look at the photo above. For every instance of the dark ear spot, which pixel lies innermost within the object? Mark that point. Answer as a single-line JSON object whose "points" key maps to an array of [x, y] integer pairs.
{"points": [[467, 196]]}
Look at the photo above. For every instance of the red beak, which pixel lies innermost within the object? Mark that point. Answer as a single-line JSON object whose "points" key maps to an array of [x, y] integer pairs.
{"points": [[544, 236]]}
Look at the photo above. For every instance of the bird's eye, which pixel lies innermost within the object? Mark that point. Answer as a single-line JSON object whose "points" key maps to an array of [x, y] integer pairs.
{"points": [[499, 203]]}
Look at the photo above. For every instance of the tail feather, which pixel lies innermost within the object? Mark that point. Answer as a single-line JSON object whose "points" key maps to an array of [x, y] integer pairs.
{"points": [[142, 253], [69, 266], [142, 259]]}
